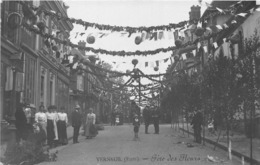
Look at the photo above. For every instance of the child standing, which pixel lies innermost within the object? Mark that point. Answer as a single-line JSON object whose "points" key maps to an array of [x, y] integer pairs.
{"points": [[136, 123]]}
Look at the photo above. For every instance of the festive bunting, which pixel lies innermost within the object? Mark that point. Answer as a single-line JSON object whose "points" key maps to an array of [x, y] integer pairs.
{"points": [[184, 56], [165, 60], [215, 45], [146, 64], [219, 27], [205, 48], [242, 14]]}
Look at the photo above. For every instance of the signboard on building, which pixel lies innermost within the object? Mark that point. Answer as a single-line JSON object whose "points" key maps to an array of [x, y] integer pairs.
{"points": [[80, 85]]}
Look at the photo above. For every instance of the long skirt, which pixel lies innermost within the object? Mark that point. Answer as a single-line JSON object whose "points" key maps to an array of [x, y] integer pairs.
{"points": [[88, 132], [62, 132], [50, 132]]}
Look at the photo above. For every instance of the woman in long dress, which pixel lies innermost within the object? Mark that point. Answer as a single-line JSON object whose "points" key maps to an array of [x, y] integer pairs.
{"points": [[90, 123], [62, 126], [50, 126]]}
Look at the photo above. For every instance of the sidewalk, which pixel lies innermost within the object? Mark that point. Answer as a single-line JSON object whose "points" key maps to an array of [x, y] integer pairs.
{"points": [[240, 143], [70, 137]]}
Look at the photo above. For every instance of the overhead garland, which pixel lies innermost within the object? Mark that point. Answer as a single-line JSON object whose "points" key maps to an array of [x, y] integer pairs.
{"points": [[130, 30]]}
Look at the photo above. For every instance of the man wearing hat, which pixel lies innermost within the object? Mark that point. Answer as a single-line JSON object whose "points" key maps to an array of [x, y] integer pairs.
{"points": [[76, 123]]}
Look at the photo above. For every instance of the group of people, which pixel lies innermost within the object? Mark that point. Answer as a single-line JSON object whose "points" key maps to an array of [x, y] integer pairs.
{"points": [[150, 115], [90, 129], [52, 125]]}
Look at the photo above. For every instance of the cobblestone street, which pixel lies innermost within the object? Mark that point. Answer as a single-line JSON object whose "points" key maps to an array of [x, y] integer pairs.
{"points": [[115, 145]]}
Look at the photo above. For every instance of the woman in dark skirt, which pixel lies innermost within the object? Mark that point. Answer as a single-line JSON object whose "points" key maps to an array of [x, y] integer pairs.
{"points": [[50, 126], [62, 126]]}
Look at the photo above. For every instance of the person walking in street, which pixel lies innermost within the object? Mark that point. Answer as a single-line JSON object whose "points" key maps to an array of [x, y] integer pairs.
{"points": [[62, 126], [76, 123], [136, 123], [156, 117], [197, 122], [90, 130], [51, 118], [41, 120], [147, 118]]}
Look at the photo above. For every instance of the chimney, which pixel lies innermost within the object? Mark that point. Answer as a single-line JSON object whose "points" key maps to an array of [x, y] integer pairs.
{"points": [[83, 44], [194, 13]]}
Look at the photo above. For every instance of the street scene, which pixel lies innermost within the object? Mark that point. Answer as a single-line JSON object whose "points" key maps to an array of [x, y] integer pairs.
{"points": [[130, 82]]}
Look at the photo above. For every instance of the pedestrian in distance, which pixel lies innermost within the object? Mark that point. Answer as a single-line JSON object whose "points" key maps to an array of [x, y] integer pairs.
{"points": [[90, 129], [156, 118], [197, 123], [76, 123], [147, 118], [62, 126], [136, 123]]}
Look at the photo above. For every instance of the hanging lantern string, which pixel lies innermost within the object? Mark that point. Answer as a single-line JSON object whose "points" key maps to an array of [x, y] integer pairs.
{"points": [[59, 16]]}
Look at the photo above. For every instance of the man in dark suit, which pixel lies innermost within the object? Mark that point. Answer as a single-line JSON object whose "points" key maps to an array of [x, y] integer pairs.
{"points": [[156, 117], [197, 123], [76, 123], [147, 118]]}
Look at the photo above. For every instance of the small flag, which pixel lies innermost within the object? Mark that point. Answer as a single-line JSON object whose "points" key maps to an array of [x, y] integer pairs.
{"points": [[225, 25], [219, 27], [194, 52], [184, 57], [148, 36], [198, 45], [160, 35], [234, 21], [75, 65], [215, 45], [220, 10], [170, 35], [242, 14], [157, 63], [146, 64], [205, 48], [143, 36]]}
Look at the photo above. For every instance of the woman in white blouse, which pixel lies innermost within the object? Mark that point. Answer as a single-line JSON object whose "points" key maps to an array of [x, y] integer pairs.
{"points": [[62, 126], [41, 119], [90, 124]]}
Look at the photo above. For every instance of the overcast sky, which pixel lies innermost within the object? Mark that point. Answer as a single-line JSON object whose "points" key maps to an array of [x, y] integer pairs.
{"points": [[132, 13]]}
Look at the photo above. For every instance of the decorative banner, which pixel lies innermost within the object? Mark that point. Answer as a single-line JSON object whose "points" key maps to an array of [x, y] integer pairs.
{"points": [[215, 45], [194, 52], [205, 48], [146, 64], [242, 14], [157, 63], [184, 57]]}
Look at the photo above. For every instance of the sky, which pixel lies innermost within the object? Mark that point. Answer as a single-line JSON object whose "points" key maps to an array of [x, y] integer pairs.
{"points": [[132, 13]]}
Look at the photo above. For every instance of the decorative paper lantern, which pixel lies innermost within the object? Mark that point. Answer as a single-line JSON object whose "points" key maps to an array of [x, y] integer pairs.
{"points": [[156, 68], [134, 62], [14, 20], [90, 39], [138, 40], [199, 31], [178, 43]]}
